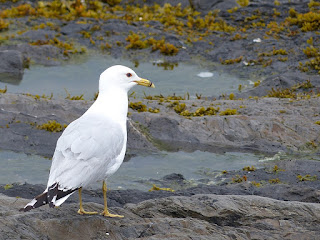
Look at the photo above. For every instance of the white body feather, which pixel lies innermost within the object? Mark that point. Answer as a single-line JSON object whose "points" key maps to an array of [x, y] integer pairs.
{"points": [[92, 147]]}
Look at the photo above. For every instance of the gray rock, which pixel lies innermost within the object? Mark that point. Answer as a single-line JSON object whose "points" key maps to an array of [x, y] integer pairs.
{"points": [[46, 55], [197, 217], [184, 3], [11, 61], [210, 5], [258, 125], [38, 35], [281, 81], [118, 26], [72, 28]]}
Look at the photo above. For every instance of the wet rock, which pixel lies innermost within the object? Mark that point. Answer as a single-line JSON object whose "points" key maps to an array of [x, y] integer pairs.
{"points": [[282, 81], [46, 55], [287, 187], [183, 3], [73, 28], [136, 140], [200, 216], [174, 177], [257, 126], [38, 35], [117, 26], [22, 113], [209, 5], [267, 125], [11, 66]]}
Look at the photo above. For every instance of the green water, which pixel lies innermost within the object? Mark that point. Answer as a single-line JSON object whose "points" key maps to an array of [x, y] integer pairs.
{"points": [[135, 173], [81, 77]]}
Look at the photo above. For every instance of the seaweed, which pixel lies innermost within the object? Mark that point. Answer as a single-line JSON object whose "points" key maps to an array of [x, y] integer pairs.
{"points": [[249, 169], [69, 97], [306, 21], [154, 110], [239, 179], [138, 106], [4, 25], [307, 177], [256, 184], [37, 97], [136, 42], [243, 3], [231, 61], [3, 90], [228, 111], [200, 112], [179, 107], [274, 181], [156, 188], [257, 83], [51, 126]]}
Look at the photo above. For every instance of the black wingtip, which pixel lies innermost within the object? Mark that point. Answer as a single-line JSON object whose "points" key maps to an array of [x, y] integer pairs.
{"points": [[26, 209], [53, 194]]}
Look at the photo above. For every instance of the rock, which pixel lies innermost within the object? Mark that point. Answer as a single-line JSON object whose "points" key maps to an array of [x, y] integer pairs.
{"points": [[204, 216], [210, 5], [136, 140], [46, 55], [117, 26], [183, 3], [38, 35], [29, 110], [72, 28], [287, 186], [11, 66], [282, 81], [258, 125]]}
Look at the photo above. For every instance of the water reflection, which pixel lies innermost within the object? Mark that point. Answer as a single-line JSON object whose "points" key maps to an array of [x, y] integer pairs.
{"points": [[11, 78], [81, 77], [133, 173]]}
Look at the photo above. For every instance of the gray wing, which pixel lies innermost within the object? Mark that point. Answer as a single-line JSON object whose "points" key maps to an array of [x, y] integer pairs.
{"points": [[85, 151]]}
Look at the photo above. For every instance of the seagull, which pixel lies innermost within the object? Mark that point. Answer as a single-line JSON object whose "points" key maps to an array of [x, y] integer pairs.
{"points": [[92, 147]]}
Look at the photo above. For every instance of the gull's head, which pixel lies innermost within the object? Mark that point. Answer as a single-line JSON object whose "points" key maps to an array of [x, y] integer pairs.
{"points": [[121, 77]]}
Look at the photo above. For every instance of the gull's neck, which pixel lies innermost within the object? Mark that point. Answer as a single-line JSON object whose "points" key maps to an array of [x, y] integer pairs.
{"points": [[111, 103]]}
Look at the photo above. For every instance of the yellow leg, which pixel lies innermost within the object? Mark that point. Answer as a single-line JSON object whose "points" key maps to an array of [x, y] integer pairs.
{"points": [[105, 211], [81, 210]]}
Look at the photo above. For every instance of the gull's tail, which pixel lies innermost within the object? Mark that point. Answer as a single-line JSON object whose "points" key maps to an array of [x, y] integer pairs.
{"points": [[52, 196]]}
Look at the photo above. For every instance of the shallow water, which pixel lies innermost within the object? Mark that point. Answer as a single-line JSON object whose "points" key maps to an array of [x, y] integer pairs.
{"points": [[135, 173], [81, 77]]}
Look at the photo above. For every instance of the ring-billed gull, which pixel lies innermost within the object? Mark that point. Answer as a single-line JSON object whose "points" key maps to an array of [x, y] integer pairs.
{"points": [[93, 146]]}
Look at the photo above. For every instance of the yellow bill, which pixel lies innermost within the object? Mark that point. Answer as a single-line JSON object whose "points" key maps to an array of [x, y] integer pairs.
{"points": [[145, 82]]}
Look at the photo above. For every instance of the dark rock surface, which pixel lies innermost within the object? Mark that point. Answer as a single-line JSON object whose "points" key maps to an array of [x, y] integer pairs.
{"points": [[224, 211], [210, 46], [11, 66], [280, 81], [205, 216], [261, 124], [287, 188], [266, 125]]}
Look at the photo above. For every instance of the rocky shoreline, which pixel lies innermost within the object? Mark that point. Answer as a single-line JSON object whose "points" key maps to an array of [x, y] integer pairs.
{"points": [[275, 43], [260, 40], [225, 211], [260, 126], [266, 125]]}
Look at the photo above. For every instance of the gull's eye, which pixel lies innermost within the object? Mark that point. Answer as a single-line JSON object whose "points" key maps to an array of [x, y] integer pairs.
{"points": [[129, 75]]}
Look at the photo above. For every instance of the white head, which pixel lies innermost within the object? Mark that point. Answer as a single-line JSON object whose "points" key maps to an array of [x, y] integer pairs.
{"points": [[121, 77]]}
